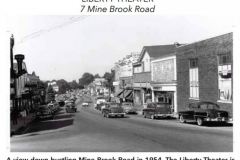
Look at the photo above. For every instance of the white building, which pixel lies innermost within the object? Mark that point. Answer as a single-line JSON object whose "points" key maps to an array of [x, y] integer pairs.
{"points": [[54, 85]]}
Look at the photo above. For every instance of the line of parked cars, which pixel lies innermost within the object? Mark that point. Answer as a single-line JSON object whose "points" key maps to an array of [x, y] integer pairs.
{"points": [[47, 111], [70, 106], [198, 112]]}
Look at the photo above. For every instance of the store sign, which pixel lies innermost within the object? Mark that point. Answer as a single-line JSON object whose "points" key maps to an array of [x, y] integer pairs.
{"points": [[157, 88], [142, 85], [163, 71]]}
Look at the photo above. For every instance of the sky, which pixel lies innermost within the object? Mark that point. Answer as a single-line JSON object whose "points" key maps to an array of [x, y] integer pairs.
{"points": [[64, 47]]}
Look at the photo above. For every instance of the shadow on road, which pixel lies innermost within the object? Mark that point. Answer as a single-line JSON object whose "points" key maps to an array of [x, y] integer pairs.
{"points": [[212, 124], [63, 116], [48, 125], [60, 120]]}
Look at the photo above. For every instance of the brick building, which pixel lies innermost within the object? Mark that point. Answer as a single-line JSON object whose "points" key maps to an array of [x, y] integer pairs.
{"points": [[204, 72]]}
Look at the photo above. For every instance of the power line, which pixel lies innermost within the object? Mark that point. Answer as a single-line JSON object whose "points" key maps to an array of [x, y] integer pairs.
{"points": [[40, 32]]}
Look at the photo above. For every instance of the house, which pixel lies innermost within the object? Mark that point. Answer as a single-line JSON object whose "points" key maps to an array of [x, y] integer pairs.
{"points": [[144, 89], [204, 72], [124, 76], [164, 79], [54, 85]]}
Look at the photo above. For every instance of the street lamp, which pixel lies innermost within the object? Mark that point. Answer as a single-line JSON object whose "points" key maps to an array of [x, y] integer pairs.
{"points": [[14, 75], [19, 58]]}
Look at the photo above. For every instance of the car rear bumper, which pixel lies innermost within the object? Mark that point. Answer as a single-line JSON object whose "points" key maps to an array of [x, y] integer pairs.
{"points": [[116, 114], [130, 111], [218, 119], [163, 115]]}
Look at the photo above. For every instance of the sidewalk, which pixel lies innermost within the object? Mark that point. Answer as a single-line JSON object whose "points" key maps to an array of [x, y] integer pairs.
{"points": [[22, 124]]}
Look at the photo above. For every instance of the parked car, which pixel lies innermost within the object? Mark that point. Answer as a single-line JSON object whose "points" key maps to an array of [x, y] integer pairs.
{"points": [[61, 103], [54, 107], [85, 104], [100, 100], [44, 112], [105, 106], [157, 110], [70, 107], [114, 110], [129, 108], [202, 112], [98, 106]]}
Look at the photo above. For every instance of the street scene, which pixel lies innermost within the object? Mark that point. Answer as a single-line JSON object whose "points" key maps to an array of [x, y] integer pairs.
{"points": [[101, 92]]}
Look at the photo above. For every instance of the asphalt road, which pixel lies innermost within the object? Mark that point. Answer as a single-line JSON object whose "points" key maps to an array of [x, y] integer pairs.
{"points": [[87, 130]]}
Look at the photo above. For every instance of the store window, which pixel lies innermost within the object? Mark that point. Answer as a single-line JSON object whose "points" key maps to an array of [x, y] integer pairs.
{"points": [[193, 78], [225, 77]]}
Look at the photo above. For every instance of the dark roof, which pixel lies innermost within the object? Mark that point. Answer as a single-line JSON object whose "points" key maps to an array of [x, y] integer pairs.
{"points": [[157, 51]]}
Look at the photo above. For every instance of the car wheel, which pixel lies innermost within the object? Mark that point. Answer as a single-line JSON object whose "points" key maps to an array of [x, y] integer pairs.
{"points": [[181, 119], [122, 116], [152, 117], [200, 121]]}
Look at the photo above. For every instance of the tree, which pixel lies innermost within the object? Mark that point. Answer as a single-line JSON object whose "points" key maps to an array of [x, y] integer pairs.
{"points": [[110, 78], [97, 76], [63, 86], [74, 84], [50, 94], [86, 79]]}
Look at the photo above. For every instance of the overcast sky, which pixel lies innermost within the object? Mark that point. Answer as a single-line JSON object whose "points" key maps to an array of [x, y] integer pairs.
{"points": [[57, 47]]}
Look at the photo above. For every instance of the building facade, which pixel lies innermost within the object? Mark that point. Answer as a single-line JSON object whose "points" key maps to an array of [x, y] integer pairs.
{"points": [[204, 72], [54, 85], [146, 72], [123, 83], [164, 81]]}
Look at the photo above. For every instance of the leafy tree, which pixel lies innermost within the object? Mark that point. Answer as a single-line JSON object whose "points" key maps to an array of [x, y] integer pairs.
{"points": [[74, 84], [50, 94], [97, 76], [110, 78], [63, 86], [86, 79]]}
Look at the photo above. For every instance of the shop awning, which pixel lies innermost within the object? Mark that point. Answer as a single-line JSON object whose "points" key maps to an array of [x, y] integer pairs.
{"points": [[130, 96], [119, 92], [125, 94]]}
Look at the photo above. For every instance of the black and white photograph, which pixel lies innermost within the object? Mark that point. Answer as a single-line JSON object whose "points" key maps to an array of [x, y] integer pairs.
{"points": [[95, 83]]}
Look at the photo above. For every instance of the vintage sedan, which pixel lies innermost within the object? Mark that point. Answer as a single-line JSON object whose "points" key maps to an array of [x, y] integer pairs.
{"points": [[85, 104], [157, 110], [70, 107], [129, 108], [44, 112], [113, 110], [202, 112]]}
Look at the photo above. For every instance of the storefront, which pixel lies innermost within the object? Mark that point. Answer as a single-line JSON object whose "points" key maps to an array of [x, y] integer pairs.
{"points": [[142, 93], [165, 93]]}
